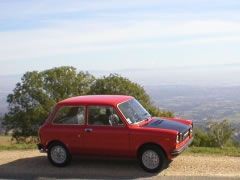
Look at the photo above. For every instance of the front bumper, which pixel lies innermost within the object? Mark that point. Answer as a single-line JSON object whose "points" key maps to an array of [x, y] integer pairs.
{"points": [[178, 151], [41, 148]]}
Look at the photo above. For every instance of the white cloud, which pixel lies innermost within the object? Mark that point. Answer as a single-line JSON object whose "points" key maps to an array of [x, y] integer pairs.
{"points": [[28, 9], [73, 37]]}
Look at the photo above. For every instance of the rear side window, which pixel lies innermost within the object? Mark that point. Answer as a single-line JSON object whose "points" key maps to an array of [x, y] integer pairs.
{"points": [[70, 115]]}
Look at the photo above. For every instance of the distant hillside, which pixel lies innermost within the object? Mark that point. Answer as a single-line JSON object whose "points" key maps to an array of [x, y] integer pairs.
{"points": [[3, 103], [7, 85], [1, 129], [198, 103]]}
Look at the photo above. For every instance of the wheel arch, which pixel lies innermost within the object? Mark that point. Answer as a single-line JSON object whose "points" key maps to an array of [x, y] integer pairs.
{"points": [[56, 141], [149, 144]]}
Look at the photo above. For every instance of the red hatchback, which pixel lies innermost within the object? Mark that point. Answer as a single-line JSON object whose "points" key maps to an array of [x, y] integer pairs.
{"points": [[115, 126]]}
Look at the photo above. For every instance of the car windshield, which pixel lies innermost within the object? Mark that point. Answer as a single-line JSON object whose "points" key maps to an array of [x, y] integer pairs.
{"points": [[134, 111]]}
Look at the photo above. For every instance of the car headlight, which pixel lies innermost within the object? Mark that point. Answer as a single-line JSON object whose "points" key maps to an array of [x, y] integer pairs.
{"points": [[190, 131], [178, 138]]}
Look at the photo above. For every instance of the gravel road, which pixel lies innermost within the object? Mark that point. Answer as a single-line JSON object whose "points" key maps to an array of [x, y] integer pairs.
{"points": [[32, 164]]}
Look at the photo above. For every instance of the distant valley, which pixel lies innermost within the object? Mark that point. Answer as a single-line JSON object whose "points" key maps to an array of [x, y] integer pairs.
{"points": [[198, 103]]}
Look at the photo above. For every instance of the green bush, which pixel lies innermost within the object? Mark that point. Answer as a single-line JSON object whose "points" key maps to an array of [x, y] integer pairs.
{"points": [[218, 134]]}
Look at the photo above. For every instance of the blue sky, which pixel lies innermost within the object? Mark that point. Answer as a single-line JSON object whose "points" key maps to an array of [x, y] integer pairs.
{"points": [[114, 36]]}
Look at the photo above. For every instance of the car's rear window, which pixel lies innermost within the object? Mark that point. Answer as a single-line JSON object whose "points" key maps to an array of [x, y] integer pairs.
{"points": [[70, 115]]}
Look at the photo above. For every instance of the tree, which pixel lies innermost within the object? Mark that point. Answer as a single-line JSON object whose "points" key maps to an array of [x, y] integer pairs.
{"points": [[36, 94], [220, 133], [115, 84]]}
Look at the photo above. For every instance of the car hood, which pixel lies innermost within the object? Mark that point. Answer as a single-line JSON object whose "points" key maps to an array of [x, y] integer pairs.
{"points": [[168, 124]]}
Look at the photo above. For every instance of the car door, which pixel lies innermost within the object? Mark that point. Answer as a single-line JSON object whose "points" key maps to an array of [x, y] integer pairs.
{"points": [[68, 127], [102, 137]]}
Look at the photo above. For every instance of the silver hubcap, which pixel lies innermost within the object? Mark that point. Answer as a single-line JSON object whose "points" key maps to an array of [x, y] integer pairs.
{"points": [[58, 154], [150, 159]]}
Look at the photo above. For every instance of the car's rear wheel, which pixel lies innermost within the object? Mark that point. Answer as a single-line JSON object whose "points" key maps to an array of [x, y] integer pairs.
{"points": [[58, 155], [152, 158]]}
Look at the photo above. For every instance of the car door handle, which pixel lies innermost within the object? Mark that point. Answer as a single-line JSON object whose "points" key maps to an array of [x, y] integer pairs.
{"points": [[88, 130]]}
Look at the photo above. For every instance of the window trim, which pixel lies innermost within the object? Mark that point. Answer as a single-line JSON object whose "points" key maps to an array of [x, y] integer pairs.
{"points": [[123, 125], [60, 107]]}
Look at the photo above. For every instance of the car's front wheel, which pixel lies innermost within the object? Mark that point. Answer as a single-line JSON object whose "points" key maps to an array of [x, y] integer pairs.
{"points": [[58, 155], [152, 159]]}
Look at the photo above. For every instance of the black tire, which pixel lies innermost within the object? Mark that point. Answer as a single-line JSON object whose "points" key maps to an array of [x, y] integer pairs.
{"points": [[162, 160], [67, 157]]}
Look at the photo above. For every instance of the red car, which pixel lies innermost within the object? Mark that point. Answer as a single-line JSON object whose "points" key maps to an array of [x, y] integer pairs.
{"points": [[114, 126]]}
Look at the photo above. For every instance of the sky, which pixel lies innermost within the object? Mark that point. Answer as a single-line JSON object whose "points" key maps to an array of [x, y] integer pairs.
{"points": [[174, 39]]}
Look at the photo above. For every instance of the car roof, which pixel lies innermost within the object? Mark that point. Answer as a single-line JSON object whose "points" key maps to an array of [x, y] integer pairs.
{"points": [[96, 99]]}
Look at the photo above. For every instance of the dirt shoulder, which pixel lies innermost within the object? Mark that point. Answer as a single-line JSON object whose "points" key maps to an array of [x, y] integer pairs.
{"points": [[32, 164]]}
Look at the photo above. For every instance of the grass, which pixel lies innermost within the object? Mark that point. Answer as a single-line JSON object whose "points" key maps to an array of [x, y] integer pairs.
{"points": [[226, 151], [7, 144]]}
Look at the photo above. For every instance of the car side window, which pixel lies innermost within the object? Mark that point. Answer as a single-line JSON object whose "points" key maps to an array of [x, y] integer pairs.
{"points": [[70, 115], [103, 115]]}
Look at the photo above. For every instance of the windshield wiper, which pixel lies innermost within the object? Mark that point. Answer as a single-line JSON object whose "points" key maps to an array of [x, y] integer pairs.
{"points": [[147, 119], [144, 119]]}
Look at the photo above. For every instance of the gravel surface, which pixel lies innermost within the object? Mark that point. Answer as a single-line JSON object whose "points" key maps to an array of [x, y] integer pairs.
{"points": [[32, 164]]}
